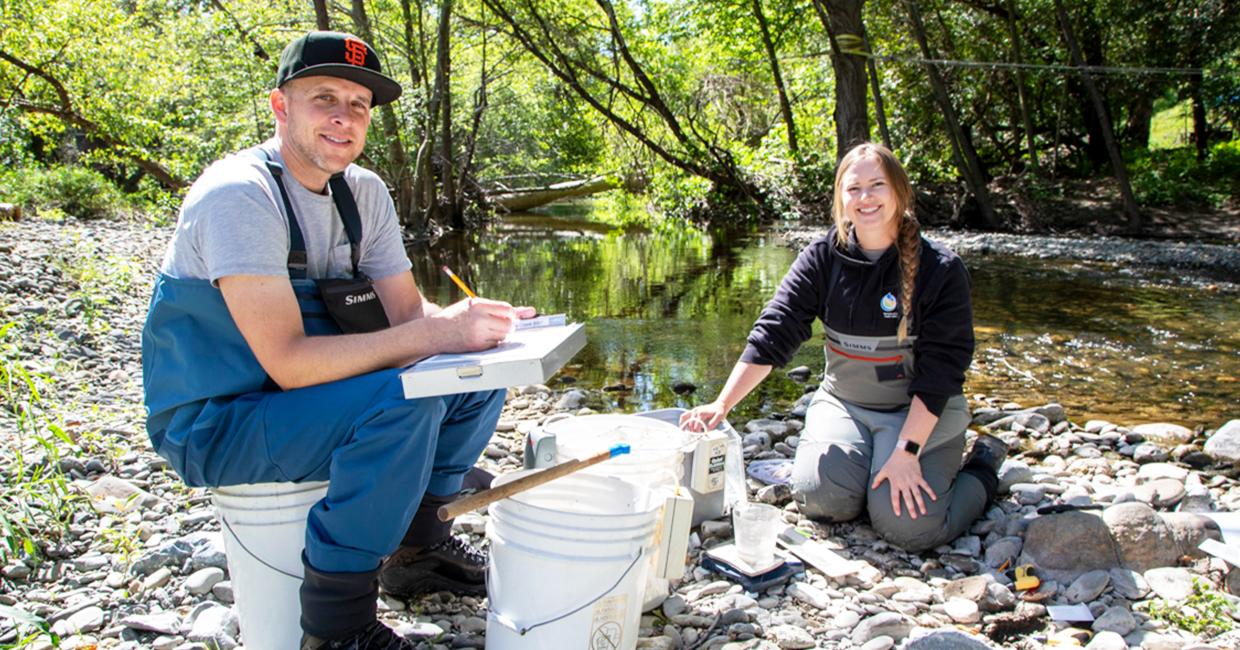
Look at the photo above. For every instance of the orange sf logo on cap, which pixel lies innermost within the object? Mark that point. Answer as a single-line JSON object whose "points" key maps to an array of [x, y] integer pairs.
{"points": [[354, 52]]}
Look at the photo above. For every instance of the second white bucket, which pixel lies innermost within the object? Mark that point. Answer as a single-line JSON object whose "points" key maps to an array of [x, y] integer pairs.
{"points": [[264, 533], [567, 567]]}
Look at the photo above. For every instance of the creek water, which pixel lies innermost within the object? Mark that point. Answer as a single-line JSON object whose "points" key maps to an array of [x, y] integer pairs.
{"points": [[667, 310]]}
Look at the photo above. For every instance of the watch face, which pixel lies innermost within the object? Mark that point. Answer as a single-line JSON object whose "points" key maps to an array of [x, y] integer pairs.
{"points": [[910, 446]]}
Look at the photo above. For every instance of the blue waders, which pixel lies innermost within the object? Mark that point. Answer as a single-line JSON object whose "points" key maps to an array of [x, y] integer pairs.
{"points": [[219, 420]]}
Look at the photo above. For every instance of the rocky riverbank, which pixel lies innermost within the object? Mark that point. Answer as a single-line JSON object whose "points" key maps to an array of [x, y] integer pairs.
{"points": [[1197, 263], [122, 555]]}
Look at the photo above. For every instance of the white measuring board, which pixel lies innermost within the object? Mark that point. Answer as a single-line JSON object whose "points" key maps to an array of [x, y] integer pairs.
{"points": [[527, 356]]}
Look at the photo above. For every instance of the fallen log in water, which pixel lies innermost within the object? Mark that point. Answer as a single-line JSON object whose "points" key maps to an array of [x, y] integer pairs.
{"points": [[514, 200]]}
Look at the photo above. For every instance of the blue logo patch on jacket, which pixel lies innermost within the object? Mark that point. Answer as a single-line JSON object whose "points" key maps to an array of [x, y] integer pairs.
{"points": [[888, 303]]}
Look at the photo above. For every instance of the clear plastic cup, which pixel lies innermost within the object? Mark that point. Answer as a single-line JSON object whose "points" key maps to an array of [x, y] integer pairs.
{"points": [[756, 525]]}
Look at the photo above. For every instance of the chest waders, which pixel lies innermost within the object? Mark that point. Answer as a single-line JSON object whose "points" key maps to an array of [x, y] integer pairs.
{"points": [[219, 419], [873, 372]]}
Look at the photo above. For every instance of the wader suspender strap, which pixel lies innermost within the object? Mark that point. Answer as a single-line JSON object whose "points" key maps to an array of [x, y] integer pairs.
{"points": [[297, 261], [346, 205]]}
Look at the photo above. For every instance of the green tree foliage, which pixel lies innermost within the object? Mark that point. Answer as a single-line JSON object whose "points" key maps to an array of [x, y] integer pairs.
{"points": [[680, 98]]}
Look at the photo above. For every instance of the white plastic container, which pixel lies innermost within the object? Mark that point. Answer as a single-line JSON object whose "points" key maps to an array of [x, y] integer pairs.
{"points": [[567, 564], [655, 461], [264, 533]]}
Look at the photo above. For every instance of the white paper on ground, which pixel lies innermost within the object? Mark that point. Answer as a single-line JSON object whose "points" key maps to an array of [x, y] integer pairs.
{"points": [[1069, 613], [1228, 552], [817, 555]]}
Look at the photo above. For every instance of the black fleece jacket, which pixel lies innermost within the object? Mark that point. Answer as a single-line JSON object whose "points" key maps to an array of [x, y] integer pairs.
{"points": [[942, 311]]}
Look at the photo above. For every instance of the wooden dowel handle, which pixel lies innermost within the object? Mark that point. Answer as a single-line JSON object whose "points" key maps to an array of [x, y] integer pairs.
{"points": [[484, 498]]}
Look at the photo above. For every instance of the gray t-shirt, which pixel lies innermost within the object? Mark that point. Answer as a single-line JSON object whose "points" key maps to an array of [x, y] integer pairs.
{"points": [[232, 223]]}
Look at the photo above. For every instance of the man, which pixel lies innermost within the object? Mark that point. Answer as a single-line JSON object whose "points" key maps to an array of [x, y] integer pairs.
{"points": [[270, 354]]}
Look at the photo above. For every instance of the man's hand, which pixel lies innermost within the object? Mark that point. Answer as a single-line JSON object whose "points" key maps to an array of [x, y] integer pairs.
{"points": [[907, 483], [477, 323]]}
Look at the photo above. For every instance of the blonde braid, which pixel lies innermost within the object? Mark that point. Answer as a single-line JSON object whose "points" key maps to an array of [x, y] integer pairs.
{"points": [[908, 244]]}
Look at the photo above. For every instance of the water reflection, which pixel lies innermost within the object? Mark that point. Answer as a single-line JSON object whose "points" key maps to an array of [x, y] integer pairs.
{"points": [[667, 308]]}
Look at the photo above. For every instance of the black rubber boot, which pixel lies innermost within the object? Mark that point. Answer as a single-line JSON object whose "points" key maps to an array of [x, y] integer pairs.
{"points": [[430, 559], [338, 612], [983, 463]]}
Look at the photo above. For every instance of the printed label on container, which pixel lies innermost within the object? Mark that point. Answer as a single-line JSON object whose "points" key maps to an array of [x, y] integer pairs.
{"points": [[607, 630]]}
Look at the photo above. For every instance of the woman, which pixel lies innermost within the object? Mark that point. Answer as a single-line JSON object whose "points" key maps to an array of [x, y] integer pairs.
{"points": [[885, 430]]}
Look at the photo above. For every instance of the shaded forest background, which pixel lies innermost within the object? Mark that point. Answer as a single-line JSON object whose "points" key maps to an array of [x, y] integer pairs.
{"points": [[707, 110]]}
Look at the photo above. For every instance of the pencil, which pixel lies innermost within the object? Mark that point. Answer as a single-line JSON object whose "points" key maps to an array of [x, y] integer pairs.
{"points": [[460, 283]]}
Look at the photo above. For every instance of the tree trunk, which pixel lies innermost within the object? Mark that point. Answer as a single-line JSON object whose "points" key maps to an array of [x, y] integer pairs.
{"points": [[415, 58], [842, 20], [1018, 57], [1140, 116], [876, 90], [1201, 129], [443, 76], [785, 106], [1131, 210], [397, 167], [529, 198], [963, 152], [321, 18]]}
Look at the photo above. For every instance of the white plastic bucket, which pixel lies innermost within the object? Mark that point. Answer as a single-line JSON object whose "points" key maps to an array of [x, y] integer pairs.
{"points": [[655, 461], [656, 448], [567, 566], [264, 533]]}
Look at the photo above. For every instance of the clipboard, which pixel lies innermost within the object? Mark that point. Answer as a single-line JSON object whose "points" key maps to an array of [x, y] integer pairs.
{"points": [[527, 356]]}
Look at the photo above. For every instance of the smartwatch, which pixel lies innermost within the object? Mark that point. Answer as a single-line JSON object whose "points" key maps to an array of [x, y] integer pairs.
{"points": [[908, 446]]}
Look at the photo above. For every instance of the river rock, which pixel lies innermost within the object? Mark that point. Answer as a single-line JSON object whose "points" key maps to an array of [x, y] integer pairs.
{"points": [[1160, 493], [881, 642], [1028, 494], [1148, 452], [1224, 444], [1071, 543], [571, 400], [1143, 539], [809, 594], [912, 590], [791, 637], [1088, 587], [88, 619], [962, 610], [799, 373], [203, 580], [1003, 550], [1170, 583], [1013, 472], [1107, 640], [1189, 530], [1115, 619], [970, 588], [1155, 471], [113, 495], [891, 624], [945, 640], [1128, 584], [214, 624], [1165, 433], [161, 622]]}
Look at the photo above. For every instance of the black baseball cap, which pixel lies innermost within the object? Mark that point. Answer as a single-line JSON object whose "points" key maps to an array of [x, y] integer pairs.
{"points": [[336, 54]]}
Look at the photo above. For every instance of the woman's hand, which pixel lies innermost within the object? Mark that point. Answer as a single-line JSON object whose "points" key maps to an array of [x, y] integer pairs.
{"points": [[904, 472], [705, 417]]}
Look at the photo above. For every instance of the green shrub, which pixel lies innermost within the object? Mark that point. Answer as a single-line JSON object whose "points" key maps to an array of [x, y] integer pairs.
{"points": [[1206, 613], [72, 191], [1174, 177]]}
